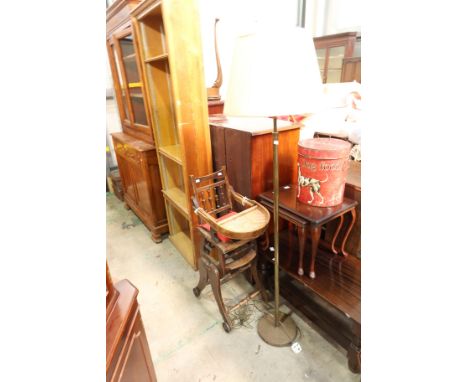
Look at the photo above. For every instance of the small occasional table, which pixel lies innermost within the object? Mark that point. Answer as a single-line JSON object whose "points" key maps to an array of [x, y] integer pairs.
{"points": [[305, 216]]}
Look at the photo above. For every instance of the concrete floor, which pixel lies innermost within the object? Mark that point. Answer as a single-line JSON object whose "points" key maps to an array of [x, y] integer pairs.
{"points": [[185, 334]]}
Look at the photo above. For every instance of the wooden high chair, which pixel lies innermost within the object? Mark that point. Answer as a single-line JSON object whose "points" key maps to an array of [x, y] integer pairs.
{"points": [[229, 245]]}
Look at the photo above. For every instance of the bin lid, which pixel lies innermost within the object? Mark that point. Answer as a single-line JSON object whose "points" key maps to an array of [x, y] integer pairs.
{"points": [[324, 148]]}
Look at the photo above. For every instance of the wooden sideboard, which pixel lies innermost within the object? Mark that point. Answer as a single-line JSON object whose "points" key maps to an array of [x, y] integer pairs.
{"points": [[128, 357], [139, 170], [245, 147]]}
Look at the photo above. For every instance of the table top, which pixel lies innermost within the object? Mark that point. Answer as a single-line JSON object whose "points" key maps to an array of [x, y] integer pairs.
{"points": [[254, 126], [314, 215]]}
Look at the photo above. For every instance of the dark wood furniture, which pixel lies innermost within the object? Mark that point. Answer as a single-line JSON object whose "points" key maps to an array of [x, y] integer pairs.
{"points": [[351, 70], [331, 51], [128, 357], [331, 302], [352, 191], [134, 147], [230, 245], [313, 218], [169, 45], [244, 146], [215, 107]]}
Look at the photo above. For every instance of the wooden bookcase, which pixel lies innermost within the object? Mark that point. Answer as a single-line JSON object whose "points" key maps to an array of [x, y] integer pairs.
{"points": [[134, 147], [168, 32]]}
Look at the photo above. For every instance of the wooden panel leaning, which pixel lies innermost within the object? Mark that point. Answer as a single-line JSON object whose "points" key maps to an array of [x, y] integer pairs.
{"points": [[229, 240]]}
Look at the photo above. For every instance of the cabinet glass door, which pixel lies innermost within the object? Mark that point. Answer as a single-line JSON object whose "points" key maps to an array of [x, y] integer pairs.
{"points": [[127, 64], [335, 63], [321, 58], [120, 87]]}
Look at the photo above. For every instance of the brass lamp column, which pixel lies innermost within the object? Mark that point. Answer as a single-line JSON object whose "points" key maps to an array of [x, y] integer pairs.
{"points": [[267, 81], [278, 329]]}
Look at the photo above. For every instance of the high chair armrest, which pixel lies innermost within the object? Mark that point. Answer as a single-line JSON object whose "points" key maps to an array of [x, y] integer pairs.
{"points": [[241, 199]]}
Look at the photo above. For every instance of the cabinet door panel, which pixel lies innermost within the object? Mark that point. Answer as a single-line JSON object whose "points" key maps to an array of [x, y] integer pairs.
{"points": [[138, 365], [128, 179], [141, 186]]}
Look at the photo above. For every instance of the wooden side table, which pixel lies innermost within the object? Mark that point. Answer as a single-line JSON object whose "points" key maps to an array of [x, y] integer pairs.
{"points": [[305, 216]]}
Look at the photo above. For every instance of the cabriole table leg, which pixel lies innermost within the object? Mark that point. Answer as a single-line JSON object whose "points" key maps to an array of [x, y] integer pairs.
{"points": [[302, 236], [348, 231], [315, 232]]}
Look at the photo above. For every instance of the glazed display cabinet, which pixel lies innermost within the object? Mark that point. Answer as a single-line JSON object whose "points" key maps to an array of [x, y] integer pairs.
{"points": [[134, 147], [333, 51]]}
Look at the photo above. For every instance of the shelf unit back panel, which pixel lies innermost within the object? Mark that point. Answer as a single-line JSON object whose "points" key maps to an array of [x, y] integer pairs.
{"points": [[153, 35], [173, 175], [159, 78]]}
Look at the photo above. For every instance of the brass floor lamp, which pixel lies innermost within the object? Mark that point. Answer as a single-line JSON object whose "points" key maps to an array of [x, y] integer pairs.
{"points": [[274, 73]]}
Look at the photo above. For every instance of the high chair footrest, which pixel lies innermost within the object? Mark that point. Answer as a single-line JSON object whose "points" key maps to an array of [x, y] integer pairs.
{"points": [[244, 260]]}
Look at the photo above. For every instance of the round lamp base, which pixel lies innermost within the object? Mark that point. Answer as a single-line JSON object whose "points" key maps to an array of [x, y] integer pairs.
{"points": [[282, 335]]}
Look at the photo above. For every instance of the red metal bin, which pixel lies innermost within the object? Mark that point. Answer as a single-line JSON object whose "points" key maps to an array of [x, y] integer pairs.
{"points": [[322, 168]]}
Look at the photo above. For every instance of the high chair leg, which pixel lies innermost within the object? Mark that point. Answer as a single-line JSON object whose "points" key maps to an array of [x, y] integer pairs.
{"points": [[203, 281], [258, 283], [215, 282]]}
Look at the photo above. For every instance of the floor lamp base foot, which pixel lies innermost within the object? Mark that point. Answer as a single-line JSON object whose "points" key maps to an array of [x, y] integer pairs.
{"points": [[282, 335]]}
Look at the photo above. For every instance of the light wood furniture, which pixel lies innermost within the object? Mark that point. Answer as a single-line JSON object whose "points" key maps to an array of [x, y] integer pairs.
{"points": [[230, 245], [134, 147], [169, 39], [331, 51], [128, 357], [243, 145]]}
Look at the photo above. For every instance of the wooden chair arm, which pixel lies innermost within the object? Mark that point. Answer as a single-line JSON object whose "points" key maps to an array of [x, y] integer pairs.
{"points": [[214, 225], [241, 199], [206, 217]]}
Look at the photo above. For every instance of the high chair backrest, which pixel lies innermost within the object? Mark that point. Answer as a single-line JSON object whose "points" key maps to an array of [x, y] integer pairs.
{"points": [[211, 192]]}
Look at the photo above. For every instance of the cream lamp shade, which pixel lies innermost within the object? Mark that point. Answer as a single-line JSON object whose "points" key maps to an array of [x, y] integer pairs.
{"points": [[274, 72]]}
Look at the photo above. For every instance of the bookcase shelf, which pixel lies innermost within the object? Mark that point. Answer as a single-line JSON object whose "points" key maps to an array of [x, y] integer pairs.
{"points": [[178, 198], [160, 57], [173, 72], [172, 152]]}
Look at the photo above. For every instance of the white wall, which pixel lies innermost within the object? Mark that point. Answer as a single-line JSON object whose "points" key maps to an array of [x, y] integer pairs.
{"points": [[324, 17]]}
